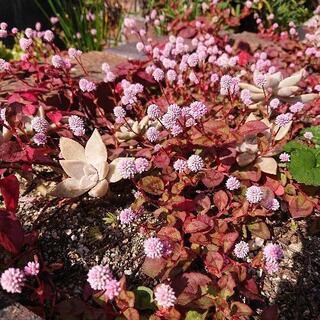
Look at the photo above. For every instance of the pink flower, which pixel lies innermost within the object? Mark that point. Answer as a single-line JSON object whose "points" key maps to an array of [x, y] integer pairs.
{"points": [[193, 60], [260, 80], [274, 103], [48, 35], [275, 205], [74, 53], [308, 135], [12, 280], [193, 77], [283, 119], [284, 157], [86, 85], [158, 74], [272, 252], [254, 194], [76, 125], [3, 114], [153, 248], [127, 168], [233, 183], [169, 120], [98, 277], [119, 112], [140, 46], [164, 296], [195, 163], [3, 25], [58, 61], [25, 43], [39, 124], [129, 23], [176, 130], [141, 165], [241, 249], [4, 65], [127, 215], [112, 289], [297, 107], [40, 138], [214, 78], [152, 134], [171, 75], [272, 266], [245, 96], [32, 268], [180, 165], [197, 109]]}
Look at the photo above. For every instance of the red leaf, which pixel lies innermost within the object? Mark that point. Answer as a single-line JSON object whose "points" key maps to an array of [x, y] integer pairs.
{"points": [[240, 309], [161, 160], [9, 187], [188, 286], [54, 116], [244, 58], [300, 206], [29, 109], [270, 313], [252, 128], [212, 178], [250, 290], [201, 223], [29, 96], [153, 267], [229, 239], [220, 200], [184, 205], [11, 233], [214, 263]]}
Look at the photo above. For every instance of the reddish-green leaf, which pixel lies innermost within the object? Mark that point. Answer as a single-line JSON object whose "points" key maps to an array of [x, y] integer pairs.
{"points": [[152, 185]]}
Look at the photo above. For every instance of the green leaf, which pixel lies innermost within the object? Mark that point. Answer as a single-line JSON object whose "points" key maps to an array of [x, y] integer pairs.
{"points": [[315, 131], [194, 315], [294, 145], [305, 166], [144, 298]]}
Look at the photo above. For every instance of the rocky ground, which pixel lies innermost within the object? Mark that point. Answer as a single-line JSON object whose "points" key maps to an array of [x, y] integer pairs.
{"points": [[78, 235]]}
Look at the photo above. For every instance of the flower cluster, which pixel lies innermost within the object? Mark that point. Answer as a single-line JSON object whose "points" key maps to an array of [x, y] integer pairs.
{"points": [[101, 278]]}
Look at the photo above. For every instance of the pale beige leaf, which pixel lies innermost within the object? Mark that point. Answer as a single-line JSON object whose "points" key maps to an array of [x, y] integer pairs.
{"points": [[287, 91], [257, 96], [250, 87], [293, 80], [73, 168], [282, 132], [267, 165], [68, 188], [309, 97], [103, 169], [251, 117], [95, 149], [144, 122], [88, 182], [100, 189], [71, 150], [274, 79]]}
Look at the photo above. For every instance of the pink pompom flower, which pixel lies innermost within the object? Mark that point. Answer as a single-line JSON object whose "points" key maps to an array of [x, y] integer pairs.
{"points": [[153, 248], [164, 296], [98, 277], [32, 268], [12, 280]]}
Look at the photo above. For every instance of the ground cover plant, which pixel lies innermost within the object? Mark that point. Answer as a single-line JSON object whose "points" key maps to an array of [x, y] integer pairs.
{"points": [[200, 146]]}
